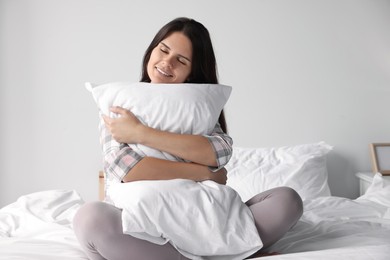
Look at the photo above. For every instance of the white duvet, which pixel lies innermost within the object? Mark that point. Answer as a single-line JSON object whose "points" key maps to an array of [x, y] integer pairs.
{"points": [[38, 227], [202, 220], [341, 228]]}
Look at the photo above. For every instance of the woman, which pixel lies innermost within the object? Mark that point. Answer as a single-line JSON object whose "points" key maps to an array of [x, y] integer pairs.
{"points": [[180, 52]]}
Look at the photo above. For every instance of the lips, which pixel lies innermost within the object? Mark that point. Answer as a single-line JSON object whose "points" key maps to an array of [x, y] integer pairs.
{"points": [[163, 72]]}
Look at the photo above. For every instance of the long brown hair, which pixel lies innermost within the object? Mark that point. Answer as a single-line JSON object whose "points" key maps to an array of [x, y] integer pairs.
{"points": [[204, 65]]}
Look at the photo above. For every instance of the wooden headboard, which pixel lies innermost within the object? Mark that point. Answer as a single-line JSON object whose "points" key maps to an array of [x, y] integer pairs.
{"points": [[101, 185]]}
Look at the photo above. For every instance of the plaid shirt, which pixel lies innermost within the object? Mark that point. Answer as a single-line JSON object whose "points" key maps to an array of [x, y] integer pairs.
{"points": [[119, 158]]}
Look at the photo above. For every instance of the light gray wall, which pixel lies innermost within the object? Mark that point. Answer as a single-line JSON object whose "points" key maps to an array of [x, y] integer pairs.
{"points": [[302, 71]]}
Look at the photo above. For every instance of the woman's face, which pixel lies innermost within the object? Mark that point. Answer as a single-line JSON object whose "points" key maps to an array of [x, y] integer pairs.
{"points": [[170, 60]]}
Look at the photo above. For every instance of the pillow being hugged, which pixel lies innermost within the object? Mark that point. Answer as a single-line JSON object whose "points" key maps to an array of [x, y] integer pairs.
{"points": [[178, 108], [301, 167], [184, 213]]}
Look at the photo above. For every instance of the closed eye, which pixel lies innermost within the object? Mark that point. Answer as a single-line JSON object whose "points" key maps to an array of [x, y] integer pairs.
{"points": [[182, 61], [180, 58], [164, 50]]}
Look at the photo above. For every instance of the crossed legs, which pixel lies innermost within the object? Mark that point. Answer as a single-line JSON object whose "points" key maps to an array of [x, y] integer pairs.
{"points": [[275, 211], [98, 227]]}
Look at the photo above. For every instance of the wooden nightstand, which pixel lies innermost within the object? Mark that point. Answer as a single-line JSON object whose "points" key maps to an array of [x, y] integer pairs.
{"points": [[365, 179]]}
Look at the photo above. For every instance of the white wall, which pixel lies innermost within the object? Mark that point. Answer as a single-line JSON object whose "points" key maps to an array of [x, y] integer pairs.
{"points": [[302, 71]]}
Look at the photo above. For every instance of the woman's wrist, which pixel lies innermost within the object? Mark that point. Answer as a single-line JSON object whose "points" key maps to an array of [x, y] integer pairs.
{"points": [[144, 132], [150, 168], [208, 173]]}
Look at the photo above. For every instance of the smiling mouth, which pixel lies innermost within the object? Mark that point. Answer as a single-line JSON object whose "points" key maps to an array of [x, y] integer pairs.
{"points": [[163, 72]]}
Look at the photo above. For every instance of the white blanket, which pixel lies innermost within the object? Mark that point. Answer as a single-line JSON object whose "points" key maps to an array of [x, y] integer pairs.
{"points": [[338, 228], [203, 220], [38, 227]]}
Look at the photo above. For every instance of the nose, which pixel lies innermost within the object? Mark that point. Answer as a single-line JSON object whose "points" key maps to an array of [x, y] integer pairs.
{"points": [[169, 61]]}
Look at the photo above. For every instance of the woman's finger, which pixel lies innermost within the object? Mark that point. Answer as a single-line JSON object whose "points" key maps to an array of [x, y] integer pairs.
{"points": [[106, 119], [118, 110]]}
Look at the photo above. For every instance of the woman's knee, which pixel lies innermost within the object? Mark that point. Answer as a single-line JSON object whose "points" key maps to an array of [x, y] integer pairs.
{"points": [[90, 216], [86, 212], [293, 202]]}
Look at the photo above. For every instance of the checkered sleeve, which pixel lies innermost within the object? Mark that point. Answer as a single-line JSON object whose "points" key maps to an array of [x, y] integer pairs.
{"points": [[118, 158], [222, 145]]}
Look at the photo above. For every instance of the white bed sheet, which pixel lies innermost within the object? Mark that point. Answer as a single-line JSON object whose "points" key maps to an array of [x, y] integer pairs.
{"points": [[38, 226], [337, 228]]}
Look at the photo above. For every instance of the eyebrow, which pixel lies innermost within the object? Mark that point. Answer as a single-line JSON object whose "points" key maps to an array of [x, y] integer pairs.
{"points": [[184, 57]]}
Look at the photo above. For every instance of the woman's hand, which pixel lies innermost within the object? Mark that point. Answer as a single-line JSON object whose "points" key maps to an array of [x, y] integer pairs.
{"points": [[126, 128], [219, 176]]}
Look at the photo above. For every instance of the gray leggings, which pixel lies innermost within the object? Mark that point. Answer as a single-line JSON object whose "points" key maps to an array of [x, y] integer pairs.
{"points": [[98, 227]]}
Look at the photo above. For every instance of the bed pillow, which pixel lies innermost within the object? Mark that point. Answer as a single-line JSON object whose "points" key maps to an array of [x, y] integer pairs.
{"points": [[166, 210], [301, 167], [179, 108]]}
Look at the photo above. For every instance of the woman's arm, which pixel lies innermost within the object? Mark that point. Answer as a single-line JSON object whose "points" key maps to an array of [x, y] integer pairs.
{"points": [[207, 155], [121, 163], [158, 169], [194, 148], [118, 159]]}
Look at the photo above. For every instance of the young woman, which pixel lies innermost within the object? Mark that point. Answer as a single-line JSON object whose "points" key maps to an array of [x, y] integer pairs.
{"points": [[180, 52]]}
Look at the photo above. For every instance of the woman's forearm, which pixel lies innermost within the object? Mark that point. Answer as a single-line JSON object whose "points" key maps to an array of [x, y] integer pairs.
{"points": [[128, 129], [194, 148], [150, 168]]}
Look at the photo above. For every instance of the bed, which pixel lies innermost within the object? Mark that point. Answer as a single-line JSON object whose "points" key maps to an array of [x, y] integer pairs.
{"points": [[39, 225]]}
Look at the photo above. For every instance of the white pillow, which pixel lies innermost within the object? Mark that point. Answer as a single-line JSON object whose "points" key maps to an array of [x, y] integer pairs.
{"points": [[301, 167], [179, 108], [184, 213]]}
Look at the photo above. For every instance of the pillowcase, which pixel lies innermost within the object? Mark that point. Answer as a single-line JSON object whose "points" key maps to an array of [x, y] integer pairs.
{"points": [[166, 210], [301, 167], [179, 108]]}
